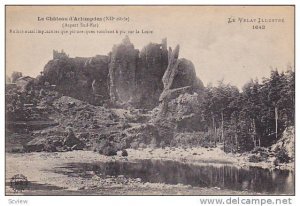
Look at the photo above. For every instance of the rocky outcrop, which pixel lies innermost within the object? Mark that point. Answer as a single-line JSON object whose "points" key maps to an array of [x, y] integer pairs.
{"points": [[96, 70], [135, 77], [180, 100], [122, 72], [180, 77], [152, 65], [286, 144], [54, 143], [125, 77], [48, 144], [81, 78], [72, 141]]}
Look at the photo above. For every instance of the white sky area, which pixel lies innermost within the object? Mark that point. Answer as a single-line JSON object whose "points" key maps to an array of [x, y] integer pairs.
{"points": [[234, 52]]}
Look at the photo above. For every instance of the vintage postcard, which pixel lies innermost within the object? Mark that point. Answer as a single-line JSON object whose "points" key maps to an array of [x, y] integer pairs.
{"points": [[149, 100]]}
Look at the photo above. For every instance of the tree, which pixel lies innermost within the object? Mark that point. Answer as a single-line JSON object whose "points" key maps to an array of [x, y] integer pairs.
{"points": [[252, 101], [217, 108], [209, 108], [257, 116], [224, 95], [274, 86], [287, 98], [15, 76]]}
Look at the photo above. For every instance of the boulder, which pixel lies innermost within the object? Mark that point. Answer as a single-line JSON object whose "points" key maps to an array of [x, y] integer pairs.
{"points": [[109, 151], [143, 133], [35, 145], [47, 144], [124, 153], [72, 142], [106, 147], [285, 146], [185, 112]]}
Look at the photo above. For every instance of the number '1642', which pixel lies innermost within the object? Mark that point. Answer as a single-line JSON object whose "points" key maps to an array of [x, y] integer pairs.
{"points": [[258, 27]]}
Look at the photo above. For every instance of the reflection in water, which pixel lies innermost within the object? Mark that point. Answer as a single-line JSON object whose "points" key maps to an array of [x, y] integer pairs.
{"points": [[171, 172]]}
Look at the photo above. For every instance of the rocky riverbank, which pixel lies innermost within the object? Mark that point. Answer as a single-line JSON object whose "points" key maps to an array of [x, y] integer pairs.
{"points": [[49, 173]]}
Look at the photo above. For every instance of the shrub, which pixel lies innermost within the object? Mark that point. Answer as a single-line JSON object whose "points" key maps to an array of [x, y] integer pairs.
{"points": [[282, 155], [109, 151], [124, 153], [255, 158], [106, 148]]}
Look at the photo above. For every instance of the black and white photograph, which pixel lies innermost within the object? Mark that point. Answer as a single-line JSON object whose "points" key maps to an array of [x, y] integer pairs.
{"points": [[149, 100]]}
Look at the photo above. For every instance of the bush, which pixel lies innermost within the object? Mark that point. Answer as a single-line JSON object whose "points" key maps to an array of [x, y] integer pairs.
{"points": [[255, 158], [192, 139], [162, 144], [259, 150], [282, 155], [262, 152], [124, 153], [106, 148], [109, 151], [230, 147]]}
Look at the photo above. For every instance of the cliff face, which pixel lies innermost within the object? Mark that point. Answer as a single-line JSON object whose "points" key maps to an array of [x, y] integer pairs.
{"points": [[122, 72], [152, 65], [135, 77], [81, 78], [179, 78], [125, 77]]}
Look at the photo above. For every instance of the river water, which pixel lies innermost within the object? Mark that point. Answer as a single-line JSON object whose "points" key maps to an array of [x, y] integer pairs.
{"points": [[221, 176]]}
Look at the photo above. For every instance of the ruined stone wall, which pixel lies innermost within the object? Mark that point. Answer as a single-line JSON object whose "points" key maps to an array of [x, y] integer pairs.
{"points": [[59, 55]]}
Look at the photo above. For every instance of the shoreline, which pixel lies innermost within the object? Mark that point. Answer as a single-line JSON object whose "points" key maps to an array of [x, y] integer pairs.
{"points": [[200, 155], [45, 175]]}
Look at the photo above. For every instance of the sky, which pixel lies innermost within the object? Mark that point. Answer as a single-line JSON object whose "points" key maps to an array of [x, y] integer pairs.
{"points": [[233, 52]]}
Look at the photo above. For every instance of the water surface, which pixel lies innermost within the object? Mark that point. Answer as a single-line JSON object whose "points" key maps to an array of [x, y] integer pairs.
{"points": [[224, 176]]}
